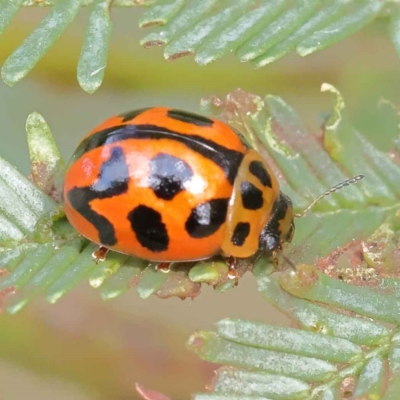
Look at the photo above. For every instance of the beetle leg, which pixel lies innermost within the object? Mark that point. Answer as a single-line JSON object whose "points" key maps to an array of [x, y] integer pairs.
{"points": [[233, 273], [163, 267], [100, 254], [275, 261]]}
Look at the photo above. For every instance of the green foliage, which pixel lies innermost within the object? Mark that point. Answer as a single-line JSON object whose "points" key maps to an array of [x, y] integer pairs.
{"points": [[337, 350], [257, 31], [341, 347], [91, 69], [39, 42], [345, 308], [310, 166]]}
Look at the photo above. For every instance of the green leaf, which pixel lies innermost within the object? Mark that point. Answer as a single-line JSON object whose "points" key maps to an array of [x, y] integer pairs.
{"points": [[311, 316], [364, 13], [47, 165], [284, 363], [256, 383], [161, 13], [188, 42], [350, 293], [22, 206], [39, 41], [212, 348], [210, 272], [93, 59], [122, 280], [349, 148], [151, 281], [285, 339], [303, 162], [8, 10], [264, 31], [371, 378], [258, 31], [238, 32], [36, 282], [320, 19], [278, 30], [323, 288], [189, 16]]}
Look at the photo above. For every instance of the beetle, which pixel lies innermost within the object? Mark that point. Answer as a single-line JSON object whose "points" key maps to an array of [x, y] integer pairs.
{"points": [[170, 186]]}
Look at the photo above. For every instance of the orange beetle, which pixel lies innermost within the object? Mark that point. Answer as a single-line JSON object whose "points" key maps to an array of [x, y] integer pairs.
{"points": [[171, 186]]}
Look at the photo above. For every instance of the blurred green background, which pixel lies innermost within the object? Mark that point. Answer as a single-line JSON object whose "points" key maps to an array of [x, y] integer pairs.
{"points": [[83, 348]]}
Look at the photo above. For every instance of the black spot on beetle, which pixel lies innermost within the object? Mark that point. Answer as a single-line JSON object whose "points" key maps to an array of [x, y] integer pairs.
{"points": [[190, 118], [149, 229], [228, 160], [258, 170], [206, 218], [127, 116], [168, 175], [240, 233], [112, 181], [80, 199], [252, 197], [113, 177]]}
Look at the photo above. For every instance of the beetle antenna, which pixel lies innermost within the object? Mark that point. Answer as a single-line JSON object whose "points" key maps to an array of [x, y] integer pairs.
{"points": [[289, 262], [333, 189]]}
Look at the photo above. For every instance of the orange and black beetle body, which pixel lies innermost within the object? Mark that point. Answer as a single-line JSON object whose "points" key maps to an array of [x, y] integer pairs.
{"points": [[171, 186]]}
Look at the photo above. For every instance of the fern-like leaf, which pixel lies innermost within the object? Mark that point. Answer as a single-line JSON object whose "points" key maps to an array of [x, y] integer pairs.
{"points": [[340, 349], [261, 32], [345, 307], [258, 31]]}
